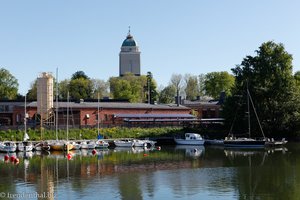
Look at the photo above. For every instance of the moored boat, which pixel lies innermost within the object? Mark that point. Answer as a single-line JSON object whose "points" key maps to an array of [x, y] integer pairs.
{"points": [[25, 146], [244, 142], [273, 143], [139, 143], [61, 146], [101, 144], [123, 143], [8, 146], [190, 139], [42, 146], [214, 142]]}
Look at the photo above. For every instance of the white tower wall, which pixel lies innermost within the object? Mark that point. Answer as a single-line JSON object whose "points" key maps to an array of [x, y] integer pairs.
{"points": [[44, 94]]}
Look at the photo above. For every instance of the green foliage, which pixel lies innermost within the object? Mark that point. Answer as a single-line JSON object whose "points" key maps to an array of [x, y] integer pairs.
{"points": [[64, 88], [8, 85], [217, 82], [80, 88], [167, 94], [128, 87], [32, 92], [100, 87], [192, 87], [272, 87], [79, 75], [151, 87], [85, 133]]}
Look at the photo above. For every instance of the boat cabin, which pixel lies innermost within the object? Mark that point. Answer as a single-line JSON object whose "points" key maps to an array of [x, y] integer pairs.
{"points": [[193, 136]]}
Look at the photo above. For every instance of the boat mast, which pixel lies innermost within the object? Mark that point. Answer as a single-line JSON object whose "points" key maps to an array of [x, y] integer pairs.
{"points": [[98, 115], [56, 121], [68, 117], [25, 116], [248, 107]]}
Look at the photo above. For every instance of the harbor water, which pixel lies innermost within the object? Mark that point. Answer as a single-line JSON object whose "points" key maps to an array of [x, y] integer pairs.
{"points": [[169, 172]]}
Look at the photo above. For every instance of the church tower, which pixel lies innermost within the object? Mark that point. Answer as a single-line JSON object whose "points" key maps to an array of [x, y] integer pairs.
{"points": [[129, 57]]}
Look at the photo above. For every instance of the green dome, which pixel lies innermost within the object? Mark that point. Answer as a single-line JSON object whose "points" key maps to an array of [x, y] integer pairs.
{"points": [[129, 41]]}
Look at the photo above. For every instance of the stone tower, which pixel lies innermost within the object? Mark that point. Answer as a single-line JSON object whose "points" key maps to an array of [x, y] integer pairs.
{"points": [[129, 57]]}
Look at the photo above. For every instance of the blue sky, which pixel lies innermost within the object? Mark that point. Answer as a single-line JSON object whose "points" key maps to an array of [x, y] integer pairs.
{"points": [[196, 36]]}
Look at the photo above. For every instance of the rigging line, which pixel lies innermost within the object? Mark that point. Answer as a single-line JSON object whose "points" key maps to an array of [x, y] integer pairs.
{"points": [[256, 114]]}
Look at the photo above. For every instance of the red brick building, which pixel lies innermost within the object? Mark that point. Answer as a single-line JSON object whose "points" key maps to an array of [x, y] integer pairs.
{"points": [[85, 114]]}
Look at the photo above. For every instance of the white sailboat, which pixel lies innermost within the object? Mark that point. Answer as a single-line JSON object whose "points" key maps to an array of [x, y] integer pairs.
{"points": [[60, 145], [100, 143], [25, 145]]}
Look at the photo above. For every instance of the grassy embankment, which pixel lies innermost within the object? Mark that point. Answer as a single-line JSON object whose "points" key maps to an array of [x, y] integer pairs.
{"points": [[77, 134]]}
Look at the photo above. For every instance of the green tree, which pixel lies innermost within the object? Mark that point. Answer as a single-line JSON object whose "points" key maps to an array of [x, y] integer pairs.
{"points": [[63, 88], [192, 87], [176, 80], [201, 85], [80, 89], [8, 85], [78, 75], [272, 87], [297, 78], [80, 86], [128, 87], [32, 92], [151, 89], [167, 94], [100, 87], [217, 82]]}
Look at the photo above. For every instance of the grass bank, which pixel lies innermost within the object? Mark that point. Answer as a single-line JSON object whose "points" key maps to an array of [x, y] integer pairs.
{"points": [[116, 132]]}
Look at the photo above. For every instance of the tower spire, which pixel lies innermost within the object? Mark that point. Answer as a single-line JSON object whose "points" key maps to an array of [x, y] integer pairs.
{"points": [[128, 30]]}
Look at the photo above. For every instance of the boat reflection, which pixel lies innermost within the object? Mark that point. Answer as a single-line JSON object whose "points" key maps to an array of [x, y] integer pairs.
{"points": [[191, 150]]}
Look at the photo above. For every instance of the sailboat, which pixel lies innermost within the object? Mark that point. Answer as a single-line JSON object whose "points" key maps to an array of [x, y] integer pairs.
{"points": [[61, 145], [100, 143], [246, 142], [25, 145]]}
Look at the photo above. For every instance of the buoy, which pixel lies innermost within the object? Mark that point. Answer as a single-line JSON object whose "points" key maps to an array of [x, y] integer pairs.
{"points": [[12, 158], [94, 151], [69, 156], [16, 161], [158, 148], [6, 157]]}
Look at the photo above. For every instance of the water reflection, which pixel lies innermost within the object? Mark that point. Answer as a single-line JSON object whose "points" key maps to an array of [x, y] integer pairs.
{"points": [[141, 173]]}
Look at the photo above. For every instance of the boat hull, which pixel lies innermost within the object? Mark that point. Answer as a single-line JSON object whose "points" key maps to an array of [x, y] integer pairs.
{"points": [[245, 143], [61, 147], [123, 143], [189, 142]]}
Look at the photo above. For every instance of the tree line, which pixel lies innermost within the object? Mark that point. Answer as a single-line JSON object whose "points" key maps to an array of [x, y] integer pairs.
{"points": [[128, 87], [269, 76]]}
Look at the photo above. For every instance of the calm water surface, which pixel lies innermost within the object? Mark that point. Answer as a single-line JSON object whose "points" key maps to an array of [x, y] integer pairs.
{"points": [[174, 172]]}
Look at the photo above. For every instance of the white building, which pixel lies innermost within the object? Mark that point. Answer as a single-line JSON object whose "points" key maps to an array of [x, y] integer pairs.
{"points": [[129, 57]]}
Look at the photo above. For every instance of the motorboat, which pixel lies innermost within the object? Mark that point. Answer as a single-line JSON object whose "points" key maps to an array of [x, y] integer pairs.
{"points": [[87, 144], [8, 146], [101, 144], [61, 145], [190, 139], [273, 143], [42, 146], [25, 146], [150, 143], [139, 143], [214, 142], [76, 145], [124, 143]]}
